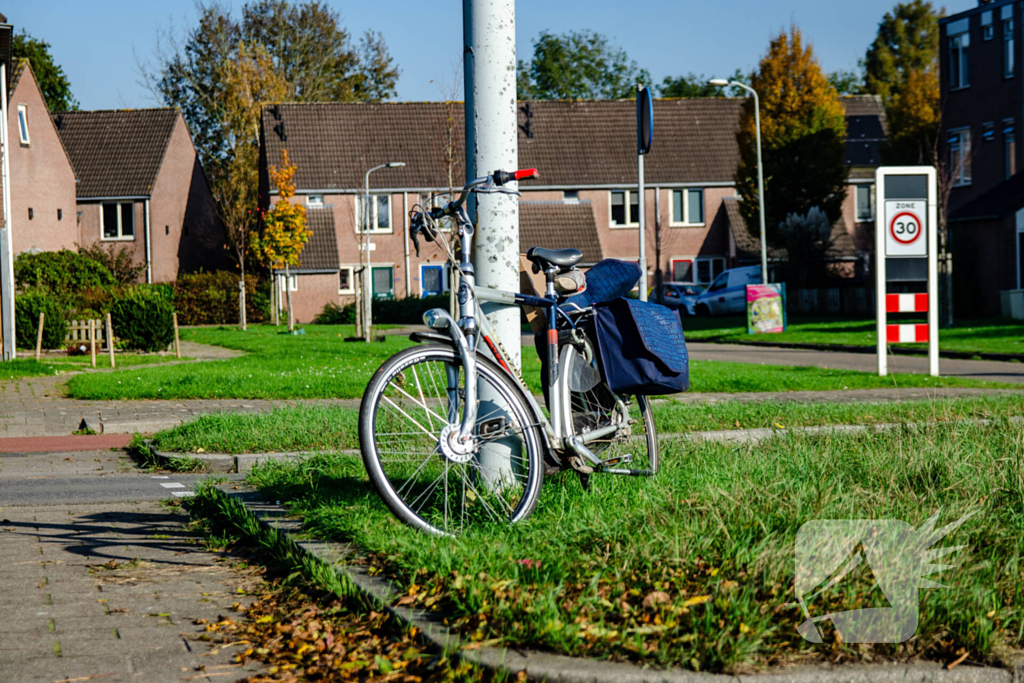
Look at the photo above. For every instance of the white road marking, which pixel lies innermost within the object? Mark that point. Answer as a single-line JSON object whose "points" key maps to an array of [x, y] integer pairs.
{"points": [[183, 494], [159, 477], [173, 485]]}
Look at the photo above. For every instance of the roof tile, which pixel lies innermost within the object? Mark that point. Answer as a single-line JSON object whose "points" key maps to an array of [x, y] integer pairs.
{"points": [[560, 225]]}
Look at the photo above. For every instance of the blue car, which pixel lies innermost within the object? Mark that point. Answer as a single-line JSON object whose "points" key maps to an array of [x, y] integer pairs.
{"points": [[677, 295]]}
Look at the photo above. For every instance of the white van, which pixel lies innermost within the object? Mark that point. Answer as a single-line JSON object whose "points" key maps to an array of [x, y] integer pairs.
{"points": [[727, 295]]}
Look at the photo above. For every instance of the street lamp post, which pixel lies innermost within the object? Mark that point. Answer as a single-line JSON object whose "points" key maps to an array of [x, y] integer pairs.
{"points": [[760, 167], [367, 270]]}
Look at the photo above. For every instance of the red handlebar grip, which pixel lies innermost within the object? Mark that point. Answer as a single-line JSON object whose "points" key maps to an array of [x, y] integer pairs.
{"points": [[526, 173]]}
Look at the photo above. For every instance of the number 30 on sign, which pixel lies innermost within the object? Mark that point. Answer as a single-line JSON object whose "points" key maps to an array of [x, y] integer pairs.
{"points": [[905, 228]]}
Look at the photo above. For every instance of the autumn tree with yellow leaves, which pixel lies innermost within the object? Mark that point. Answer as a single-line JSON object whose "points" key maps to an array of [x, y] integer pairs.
{"points": [[803, 134], [285, 232]]}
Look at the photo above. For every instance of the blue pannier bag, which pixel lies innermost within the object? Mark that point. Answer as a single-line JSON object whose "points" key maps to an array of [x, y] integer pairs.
{"points": [[641, 348], [606, 281]]}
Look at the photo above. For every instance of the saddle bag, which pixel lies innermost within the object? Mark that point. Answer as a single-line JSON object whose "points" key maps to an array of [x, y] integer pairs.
{"points": [[641, 348]]}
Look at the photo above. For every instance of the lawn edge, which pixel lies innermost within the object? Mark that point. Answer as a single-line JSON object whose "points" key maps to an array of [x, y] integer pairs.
{"points": [[245, 507], [856, 348]]}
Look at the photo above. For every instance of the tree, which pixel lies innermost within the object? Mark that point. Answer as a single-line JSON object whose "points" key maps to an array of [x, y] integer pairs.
{"points": [[692, 86], [578, 65], [52, 81], [248, 80], [901, 67], [120, 262], [907, 41], [307, 47], [803, 131], [285, 233], [846, 82]]}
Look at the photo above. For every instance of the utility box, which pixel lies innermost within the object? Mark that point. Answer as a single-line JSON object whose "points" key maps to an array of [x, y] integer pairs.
{"points": [[1011, 303]]}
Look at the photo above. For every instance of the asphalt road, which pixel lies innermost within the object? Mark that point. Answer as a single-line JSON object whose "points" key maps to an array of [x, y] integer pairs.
{"points": [[64, 490]]}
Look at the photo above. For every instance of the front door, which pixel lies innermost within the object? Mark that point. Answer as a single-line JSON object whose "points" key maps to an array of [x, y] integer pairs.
{"points": [[432, 280], [383, 282]]}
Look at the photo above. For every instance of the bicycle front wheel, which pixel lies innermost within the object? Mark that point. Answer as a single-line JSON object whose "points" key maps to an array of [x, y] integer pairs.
{"points": [[408, 425]]}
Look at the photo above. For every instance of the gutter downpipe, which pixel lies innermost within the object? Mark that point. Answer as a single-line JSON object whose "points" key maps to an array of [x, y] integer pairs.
{"points": [[405, 242], [149, 248]]}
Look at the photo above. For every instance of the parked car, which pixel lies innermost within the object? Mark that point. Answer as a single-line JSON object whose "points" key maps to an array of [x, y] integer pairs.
{"points": [[728, 293], [677, 295]]}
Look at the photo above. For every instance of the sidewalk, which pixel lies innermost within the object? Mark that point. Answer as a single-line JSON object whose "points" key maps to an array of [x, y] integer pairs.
{"points": [[107, 591]]}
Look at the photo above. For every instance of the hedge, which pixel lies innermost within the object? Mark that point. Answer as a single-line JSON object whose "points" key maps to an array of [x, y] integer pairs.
{"points": [[27, 307], [143, 319], [407, 311], [64, 274], [212, 298]]}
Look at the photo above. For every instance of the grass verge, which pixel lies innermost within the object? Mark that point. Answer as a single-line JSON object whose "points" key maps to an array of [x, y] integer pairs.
{"points": [[24, 367], [319, 364], [966, 336], [697, 570], [335, 428]]}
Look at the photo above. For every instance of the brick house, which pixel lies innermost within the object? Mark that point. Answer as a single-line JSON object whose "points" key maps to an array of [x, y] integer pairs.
{"points": [[982, 82], [140, 186], [42, 179], [585, 197]]}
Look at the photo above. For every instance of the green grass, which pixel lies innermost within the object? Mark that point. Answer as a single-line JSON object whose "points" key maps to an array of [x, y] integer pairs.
{"points": [[320, 364], [25, 367], [977, 336], [697, 569], [334, 428], [121, 360]]}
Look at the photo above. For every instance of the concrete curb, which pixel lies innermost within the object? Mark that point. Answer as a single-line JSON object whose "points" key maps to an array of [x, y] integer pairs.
{"points": [[563, 669]]}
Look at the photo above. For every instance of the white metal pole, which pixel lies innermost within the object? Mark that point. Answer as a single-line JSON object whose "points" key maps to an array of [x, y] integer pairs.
{"points": [[405, 242], [368, 271], [6, 239], [149, 248], [492, 143], [933, 275], [643, 226], [883, 361], [760, 189]]}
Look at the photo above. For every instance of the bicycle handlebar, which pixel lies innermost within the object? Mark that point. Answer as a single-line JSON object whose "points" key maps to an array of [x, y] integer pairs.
{"points": [[499, 178]]}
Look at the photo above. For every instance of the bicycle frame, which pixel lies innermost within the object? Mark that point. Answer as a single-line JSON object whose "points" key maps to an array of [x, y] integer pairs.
{"points": [[467, 332]]}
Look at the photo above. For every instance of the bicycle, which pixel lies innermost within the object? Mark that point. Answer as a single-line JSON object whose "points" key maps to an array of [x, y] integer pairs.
{"points": [[451, 437]]}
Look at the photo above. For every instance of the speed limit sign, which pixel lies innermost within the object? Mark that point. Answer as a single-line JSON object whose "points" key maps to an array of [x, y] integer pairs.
{"points": [[905, 228]]}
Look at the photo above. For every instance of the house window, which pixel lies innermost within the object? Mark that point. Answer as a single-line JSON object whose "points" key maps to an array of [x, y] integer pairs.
{"points": [[1009, 148], [346, 285], [383, 282], [316, 200], [1008, 52], [688, 207], [620, 200], [682, 270], [708, 268], [433, 279], [380, 212], [293, 283], [865, 209], [571, 196], [958, 63], [987, 30], [23, 123], [117, 221], [988, 132], [960, 156]]}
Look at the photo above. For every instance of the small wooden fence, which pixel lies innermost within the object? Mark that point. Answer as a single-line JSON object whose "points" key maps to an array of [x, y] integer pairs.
{"points": [[78, 331]]}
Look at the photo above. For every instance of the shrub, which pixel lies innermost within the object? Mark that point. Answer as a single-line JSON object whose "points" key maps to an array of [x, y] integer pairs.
{"points": [[27, 308], [333, 314], [407, 311], [212, 298], [64, 274], [120, 263], [143, 319]]}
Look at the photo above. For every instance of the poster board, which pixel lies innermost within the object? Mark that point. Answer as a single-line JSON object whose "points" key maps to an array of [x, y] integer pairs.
{"points": [[766, 308]]}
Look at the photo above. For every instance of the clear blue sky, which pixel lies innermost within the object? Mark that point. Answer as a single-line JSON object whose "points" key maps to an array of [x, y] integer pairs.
{"points": [[97, 42]]}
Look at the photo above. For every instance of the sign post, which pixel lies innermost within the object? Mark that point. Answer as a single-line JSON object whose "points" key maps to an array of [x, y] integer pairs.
{"points": [[644, 138], [906, 251]]}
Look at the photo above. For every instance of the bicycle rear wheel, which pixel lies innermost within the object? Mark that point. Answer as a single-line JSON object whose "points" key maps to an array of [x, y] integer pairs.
{"points": [[589, 404], [408, 426]]}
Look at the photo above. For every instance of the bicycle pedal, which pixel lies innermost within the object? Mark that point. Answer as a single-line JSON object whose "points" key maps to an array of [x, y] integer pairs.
{"points": [[578, 464], [621, 460]]}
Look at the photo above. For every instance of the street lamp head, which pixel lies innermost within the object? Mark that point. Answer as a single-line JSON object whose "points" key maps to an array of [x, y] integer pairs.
{"points": [[718, 81], [396, 164]]}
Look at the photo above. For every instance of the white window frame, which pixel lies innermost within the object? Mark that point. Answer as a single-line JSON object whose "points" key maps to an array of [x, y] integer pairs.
{"points": [[963, 144], [960, 45], [712, 259], [445, 286], [315, 200], [23, 124], [987, 30], [292, 279], [120, 228], [693, 269], [687, 221], [373, 203], [870, 187], [1009, 155], [628, 194], [351, 280]]}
